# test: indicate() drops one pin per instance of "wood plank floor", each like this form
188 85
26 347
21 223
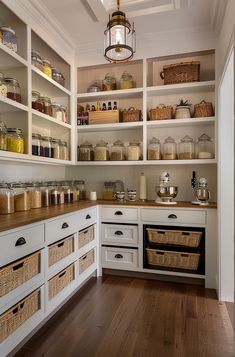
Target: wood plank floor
122 317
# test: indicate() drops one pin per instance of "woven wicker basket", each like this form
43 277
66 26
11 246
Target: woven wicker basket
18 314
60 281
171 259
17 273
181 72
86 236
184 238
203 109
161 112
131 114
86 260
60 250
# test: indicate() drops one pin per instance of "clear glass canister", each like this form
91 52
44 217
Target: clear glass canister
47 69
3 87
36 103
64 114
86 152
57 112
6 199
55 195
46 105
35 194
57 76
117 151
3 136
46 194
108 190
55 144
80 188
186 148
109 82
64 152
133 151
36 59
154 149
46 146
21 197
126 81
101 152
169 149
68 192
204 147
36 144
8 38
15 140
13 89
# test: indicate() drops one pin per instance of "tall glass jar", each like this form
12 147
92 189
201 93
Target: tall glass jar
57 112
46 146
54 193
108 190
3 136
64 152
60 192
154 149
133 151
117 151
126 81
68 192
36 103
46 105
8 38
109 82
3 87
13 89
6 199
47 69
15 140
204 147
36 144
35 194
22 197
186 148
86 152
46 194
101 152
169 149
80 188
36 60
55 147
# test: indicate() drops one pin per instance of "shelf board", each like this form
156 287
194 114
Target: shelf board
31 159
10 59
9 105
181 122
56 88
110 163
108 127
148 162
47 160
116 94
193 87
50 119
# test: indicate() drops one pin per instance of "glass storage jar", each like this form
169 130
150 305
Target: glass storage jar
154 149
6 199
36 103
57 76
3 87
46 146
55 196
186 148
36 144
21 197
60 192
8 38
109 83
108 190
86 152
13 89
55 149
57 112
36 60
68 192
46 105
35 194
169 149
126 81
46 194
3 136
64 152
64 114
204 147
47 69
101 152
15 140
117 151
80 188
133 151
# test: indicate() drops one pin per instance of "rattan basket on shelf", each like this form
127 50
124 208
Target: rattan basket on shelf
181 72
131 115
161 112
184 238
203 109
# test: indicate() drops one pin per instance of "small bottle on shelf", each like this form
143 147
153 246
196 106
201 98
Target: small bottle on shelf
114 105
109 106
104 106
93 108
98 106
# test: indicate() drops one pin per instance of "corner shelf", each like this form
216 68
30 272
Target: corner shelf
10 59
50 119
8 105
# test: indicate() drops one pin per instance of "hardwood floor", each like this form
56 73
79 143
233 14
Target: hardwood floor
122 317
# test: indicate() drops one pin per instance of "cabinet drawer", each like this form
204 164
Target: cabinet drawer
119 258
86 236
86 260
87 217
60 228
119 234
60 250
60 281
173 216
18 244
119 213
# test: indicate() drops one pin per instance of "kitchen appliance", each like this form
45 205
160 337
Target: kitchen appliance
165 191
131 195
201 191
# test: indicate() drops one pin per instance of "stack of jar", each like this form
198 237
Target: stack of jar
45 105
46 67
17 197
47 146
10 88
11 139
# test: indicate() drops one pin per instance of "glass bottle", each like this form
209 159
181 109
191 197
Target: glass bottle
204 147
46 194
13 89
6 199
108 191
54 193
186 148
21 197
154 149
101 152
36 60
68 192
46 146
133 151
117 151
57 112
15 140
109 83
169 149
35 194
86 152
3 136
47 69
36 144
3 87
55 149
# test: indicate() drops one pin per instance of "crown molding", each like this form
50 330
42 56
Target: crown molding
217 14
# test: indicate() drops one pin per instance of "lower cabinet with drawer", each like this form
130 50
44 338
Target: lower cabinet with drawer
119 258
119 234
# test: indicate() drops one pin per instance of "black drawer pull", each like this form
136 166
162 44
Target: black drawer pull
118 256
15 310
60 244
62 274
20 241
118 213
18 266
160 253
88 216
85 232
118 233
83 258
65 225
22 305
172 216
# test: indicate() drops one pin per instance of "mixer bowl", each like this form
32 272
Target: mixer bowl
166 193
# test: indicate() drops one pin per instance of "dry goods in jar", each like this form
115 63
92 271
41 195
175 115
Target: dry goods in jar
22 201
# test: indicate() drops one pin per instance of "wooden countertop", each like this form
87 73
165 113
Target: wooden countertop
19 219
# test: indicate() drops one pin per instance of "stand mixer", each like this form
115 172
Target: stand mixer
166 192
201 191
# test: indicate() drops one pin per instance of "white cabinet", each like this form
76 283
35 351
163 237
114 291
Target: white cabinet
119 213
119 258
173 216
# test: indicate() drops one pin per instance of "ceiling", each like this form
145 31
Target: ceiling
83 22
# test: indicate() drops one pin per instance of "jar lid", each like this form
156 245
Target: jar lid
8 29
4 185
14 130
118 143
45 99
187 139
55 70
101 143
63 108
46 62
14 81
134 143
108 183
204 137
154 141
56 141
169 139
36 53
18 185
46 138
32 184
56 105
35 93
36 136
79 182
86 144
109 77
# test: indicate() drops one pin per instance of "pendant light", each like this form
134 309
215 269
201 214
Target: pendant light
119 38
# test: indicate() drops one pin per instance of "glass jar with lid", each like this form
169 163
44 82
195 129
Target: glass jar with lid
46 194
57 112
64 114
86 152
8 38
3 87
60 192
126 81
64 152
35 194
47 69
36 60
133 151
55 149
15 140
3 136
46 146
36 144
68 192
13 89
57 76
101 152
204 147
21 197
117 151
36 103
169 149
7 204
80 188
108 190
186 148
154 149
46 105
109 83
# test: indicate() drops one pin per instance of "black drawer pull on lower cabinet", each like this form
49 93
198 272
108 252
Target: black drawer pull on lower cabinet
65 225
118 233
118 256
20 241
172 216
118 213
88 216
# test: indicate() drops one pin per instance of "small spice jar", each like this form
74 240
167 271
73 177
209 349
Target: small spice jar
64 152
15 140
108 191
109 83
86 152
55 144
8 38
186 148
101 152
35 194
13 89
46 105
154 149
21 197
126 81
204 147
46 194
3 87
117 151
6 199
36 144
80 188
57 112
47 69
3 136
169 149
46 146
36 60
133 151
36 103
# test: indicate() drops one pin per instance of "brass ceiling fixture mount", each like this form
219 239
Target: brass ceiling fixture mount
119 38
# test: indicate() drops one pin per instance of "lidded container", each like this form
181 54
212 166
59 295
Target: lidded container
35 194
15 140
117 151
54 193
108 190
204 147
13 89
101 152
133 151
68 192
57 112
57 76
36 103
80 188
186 148
109 82
36 144
8 38
55 149
3 136
64 114
126 81
64 152
47 69
46 146
46 194
46 105
22 197
154 149
3 87
169 149
86 152
6 199
36 59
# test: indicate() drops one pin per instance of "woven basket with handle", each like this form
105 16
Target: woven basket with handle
161 112
181 72
131 114
203 109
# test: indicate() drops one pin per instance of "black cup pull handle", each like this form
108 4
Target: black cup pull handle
20 241
118 256
118 233
15 310
88 216
118 213
62 274
85 232
22 305
18 266
60 244
172 216
83 258
65 225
